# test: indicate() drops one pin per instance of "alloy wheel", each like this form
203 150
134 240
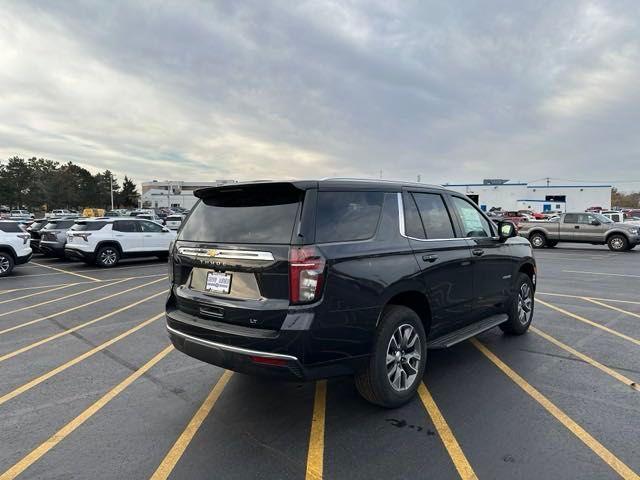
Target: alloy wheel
403 357
4 264
108 257
525 303
537 241
617 243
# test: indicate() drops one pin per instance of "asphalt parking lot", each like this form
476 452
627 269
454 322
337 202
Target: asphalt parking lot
92 389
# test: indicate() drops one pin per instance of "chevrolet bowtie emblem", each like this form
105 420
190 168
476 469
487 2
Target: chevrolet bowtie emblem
212 252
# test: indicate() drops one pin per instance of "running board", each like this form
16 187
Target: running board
469 331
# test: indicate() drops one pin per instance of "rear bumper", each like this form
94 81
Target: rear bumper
51 248
23 259
274 354
76 254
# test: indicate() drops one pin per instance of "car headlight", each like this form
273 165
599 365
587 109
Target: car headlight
633 231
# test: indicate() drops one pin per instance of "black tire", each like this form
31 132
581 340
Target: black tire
374 384
517 323
107 256
6 264
552 243
538 240
618 243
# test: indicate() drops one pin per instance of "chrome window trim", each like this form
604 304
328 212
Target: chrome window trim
231 348
195 252
404 233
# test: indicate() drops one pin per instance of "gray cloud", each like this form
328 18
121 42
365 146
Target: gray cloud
204 90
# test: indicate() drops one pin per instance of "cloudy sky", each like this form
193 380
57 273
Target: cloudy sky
451 91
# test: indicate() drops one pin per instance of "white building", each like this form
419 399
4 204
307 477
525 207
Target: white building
539 198
173 193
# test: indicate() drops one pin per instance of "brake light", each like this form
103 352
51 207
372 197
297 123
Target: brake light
25 237
269 361
83 236
306 274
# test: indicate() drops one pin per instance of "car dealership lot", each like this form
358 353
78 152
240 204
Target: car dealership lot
91 389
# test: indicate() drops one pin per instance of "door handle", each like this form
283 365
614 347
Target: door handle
577 227
147 235
429 258
477 252
119 235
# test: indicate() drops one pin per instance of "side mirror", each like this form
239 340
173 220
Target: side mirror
165 230
506 230
595 223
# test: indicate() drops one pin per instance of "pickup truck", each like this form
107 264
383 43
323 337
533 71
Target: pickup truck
581 227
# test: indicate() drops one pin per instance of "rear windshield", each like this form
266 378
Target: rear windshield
174 218
251 215
10 227
88 226
61 224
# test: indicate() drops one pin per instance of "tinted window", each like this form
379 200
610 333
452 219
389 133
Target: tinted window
10 227
125 226
473 223
88 226
412 223
262 214
149 226
434 214
571 218
59 225
174 218
347 216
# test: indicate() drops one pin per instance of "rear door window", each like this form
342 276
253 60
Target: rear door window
150 227
129 226
347 216
10 227
571 218
88 226
261 214
435 216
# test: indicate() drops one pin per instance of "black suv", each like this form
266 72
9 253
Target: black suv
313 279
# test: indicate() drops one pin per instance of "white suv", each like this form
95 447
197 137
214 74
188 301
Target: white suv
105 240
14 246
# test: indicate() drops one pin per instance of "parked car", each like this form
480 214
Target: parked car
174 221
21 215
34 231
313 279
106 240
57 213
581 227
53 237
532 214
14 246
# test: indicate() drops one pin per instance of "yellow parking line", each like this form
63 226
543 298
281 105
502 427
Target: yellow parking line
102 280
64 271
31 322
70 427
315 454
31 346
451 444
609 458
592 300
61 368
585 358
589 322
177 450
38 293
602 273
581 297
61 298
18 277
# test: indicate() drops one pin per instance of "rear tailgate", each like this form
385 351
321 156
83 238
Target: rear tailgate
230 261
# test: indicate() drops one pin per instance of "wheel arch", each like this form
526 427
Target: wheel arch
529 269
416 301
9 249
109 243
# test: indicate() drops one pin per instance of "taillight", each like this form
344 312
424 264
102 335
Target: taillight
306 274
25 237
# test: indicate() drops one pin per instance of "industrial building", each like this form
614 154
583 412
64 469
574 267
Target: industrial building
173 193
499 193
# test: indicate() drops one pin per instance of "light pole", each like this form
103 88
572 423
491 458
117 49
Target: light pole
111 187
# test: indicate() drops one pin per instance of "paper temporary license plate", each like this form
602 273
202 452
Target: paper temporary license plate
218 282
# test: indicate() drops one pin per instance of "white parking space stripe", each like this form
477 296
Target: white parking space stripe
581 297
582 272
64 271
